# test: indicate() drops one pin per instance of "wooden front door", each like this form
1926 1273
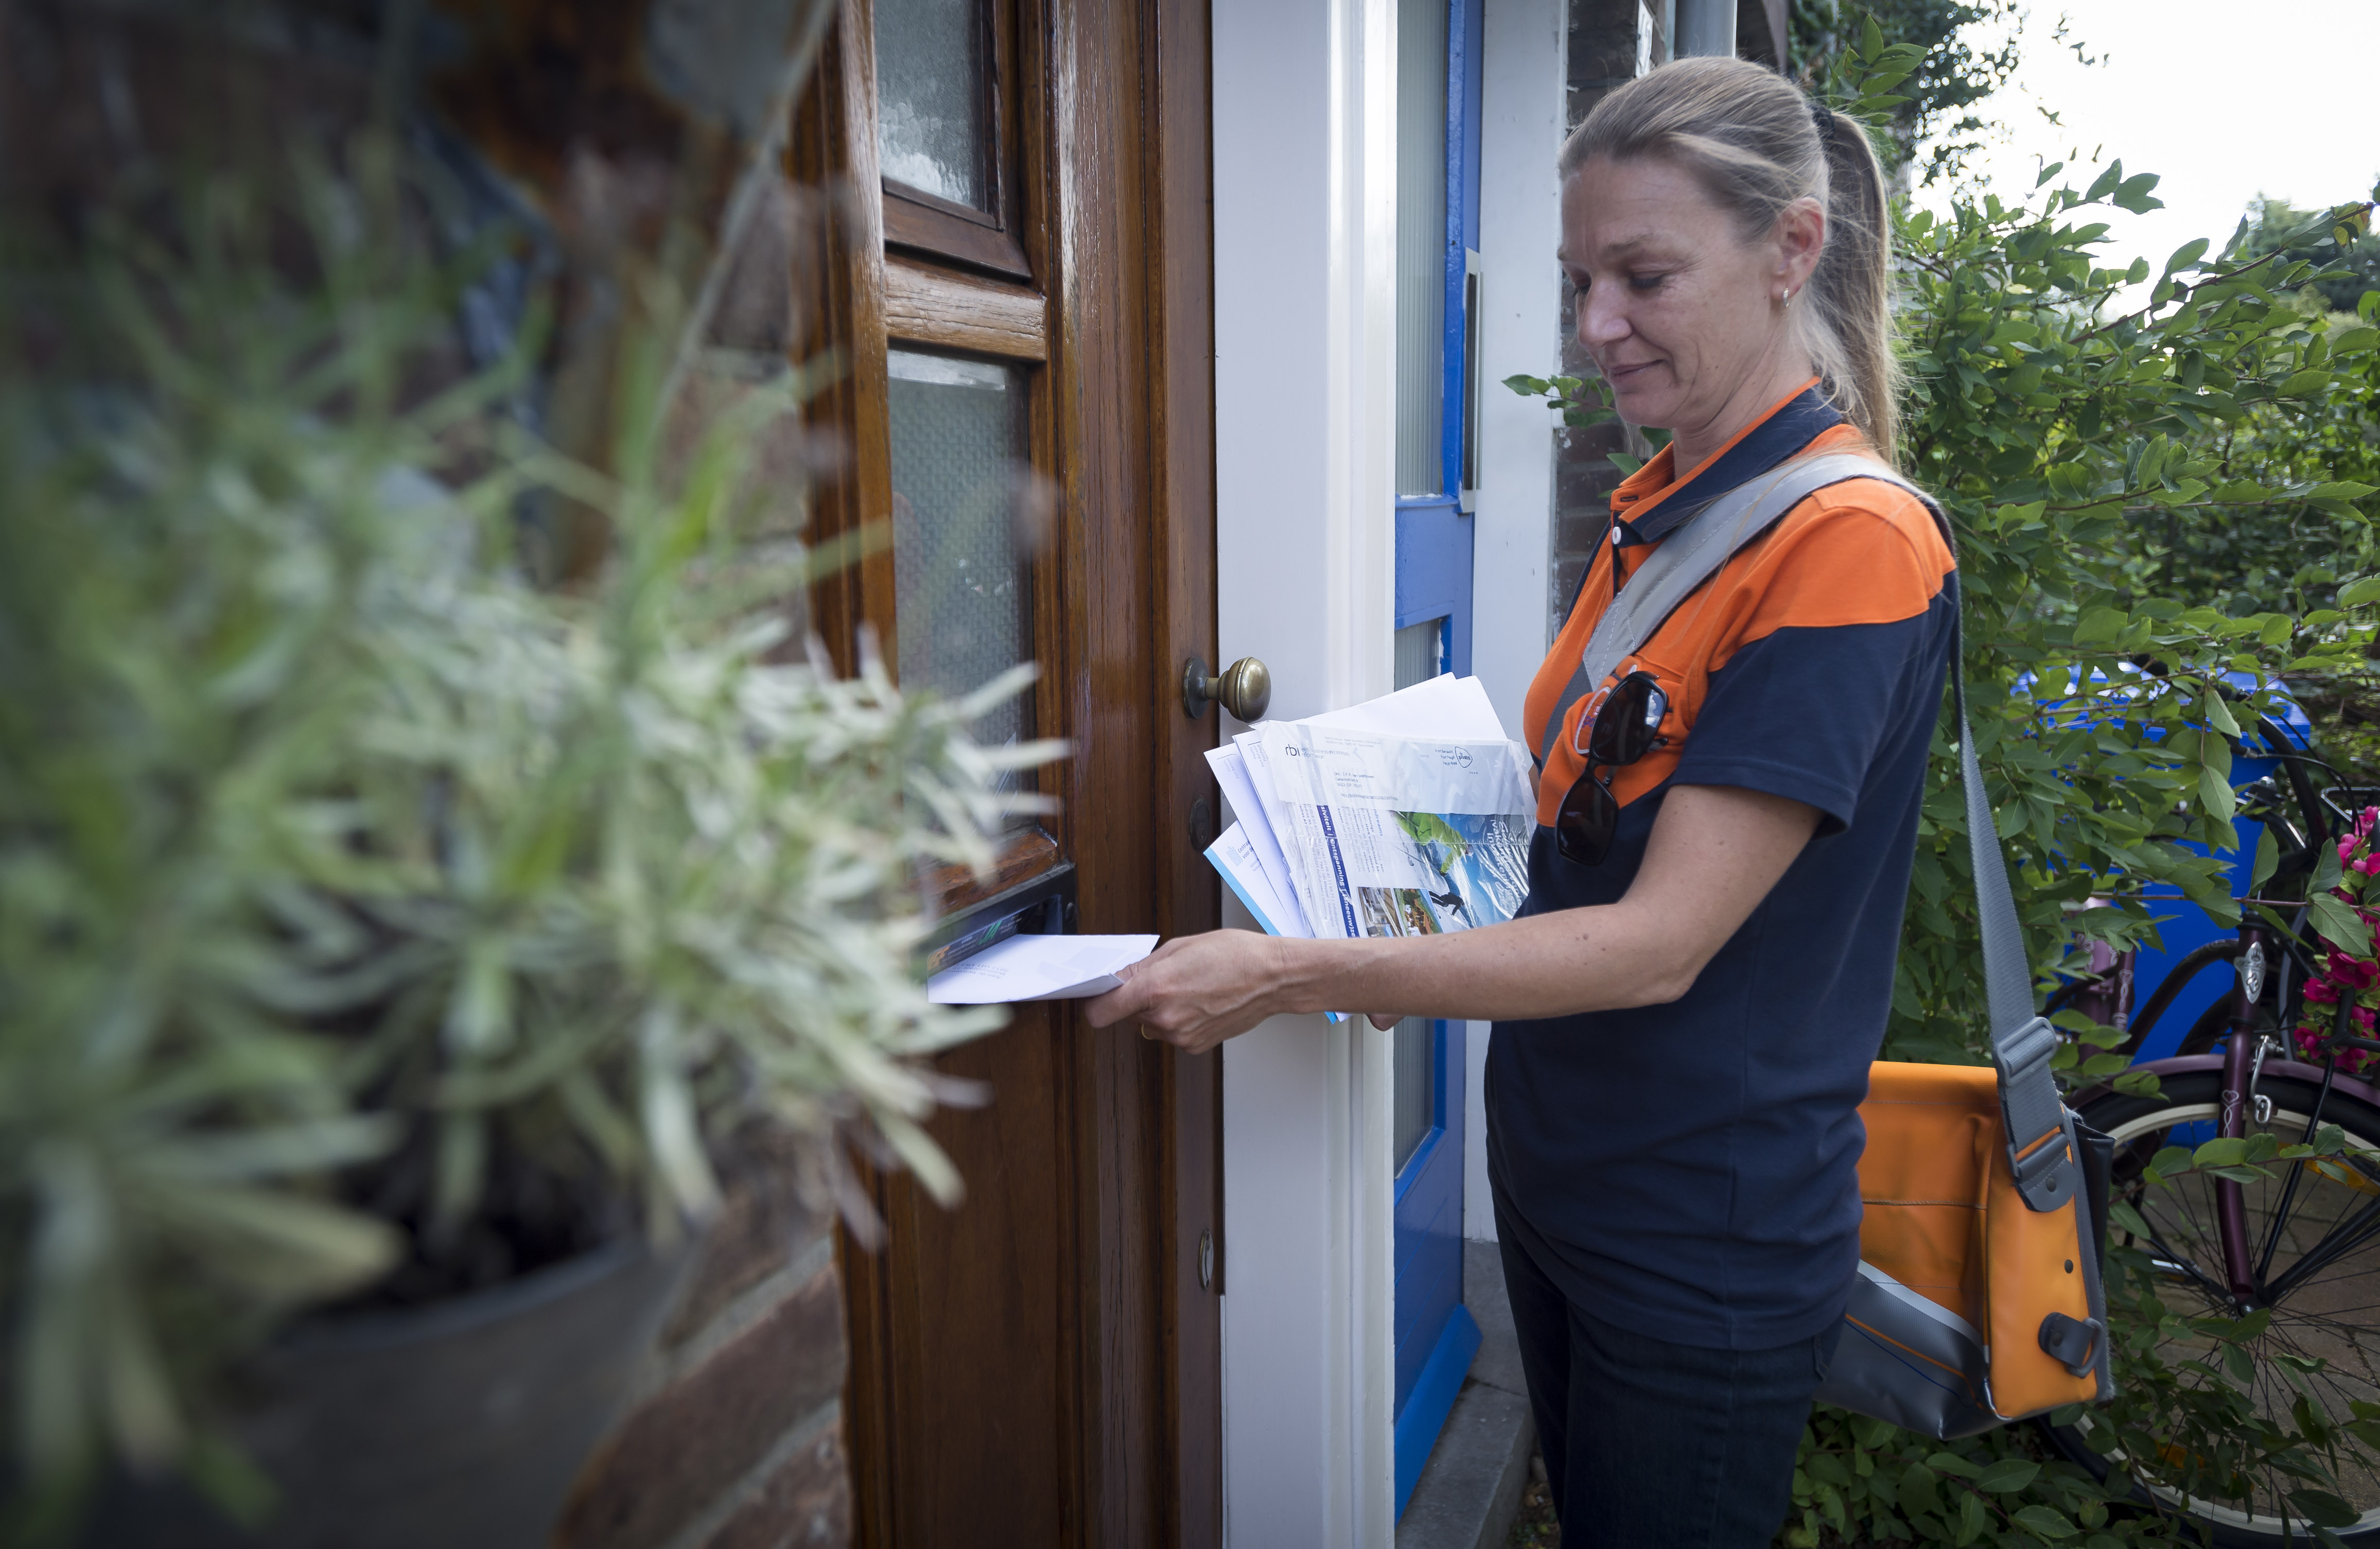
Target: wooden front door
1020 303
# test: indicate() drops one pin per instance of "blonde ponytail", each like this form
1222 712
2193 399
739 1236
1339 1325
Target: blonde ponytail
1758 144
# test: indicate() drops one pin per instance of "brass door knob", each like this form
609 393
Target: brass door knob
1245 688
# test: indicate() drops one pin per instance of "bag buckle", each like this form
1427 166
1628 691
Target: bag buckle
2040 1149
2073 1343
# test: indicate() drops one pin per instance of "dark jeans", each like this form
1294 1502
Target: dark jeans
1655 1446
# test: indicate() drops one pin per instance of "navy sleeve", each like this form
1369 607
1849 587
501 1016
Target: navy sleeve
1803 712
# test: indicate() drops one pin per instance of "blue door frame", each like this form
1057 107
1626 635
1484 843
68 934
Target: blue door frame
1436 1337
1434 531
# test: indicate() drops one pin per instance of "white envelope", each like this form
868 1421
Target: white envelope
1038 968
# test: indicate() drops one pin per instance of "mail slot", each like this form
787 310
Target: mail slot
1044 905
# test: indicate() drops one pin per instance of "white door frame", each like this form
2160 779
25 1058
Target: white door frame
1305 224
1305 170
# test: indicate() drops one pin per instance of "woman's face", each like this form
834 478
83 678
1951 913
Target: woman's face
1678 311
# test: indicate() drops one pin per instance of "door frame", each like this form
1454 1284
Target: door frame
1118 313
1305 256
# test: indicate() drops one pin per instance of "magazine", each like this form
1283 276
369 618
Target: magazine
1408 815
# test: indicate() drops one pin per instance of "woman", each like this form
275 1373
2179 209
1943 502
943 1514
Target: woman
1686 1010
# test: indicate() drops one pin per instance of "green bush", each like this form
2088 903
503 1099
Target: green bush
373 920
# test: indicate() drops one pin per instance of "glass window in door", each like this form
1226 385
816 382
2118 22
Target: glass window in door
944 123
962 579
933 122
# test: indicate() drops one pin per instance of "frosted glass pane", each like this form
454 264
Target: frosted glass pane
932 124
1421 244
961 586
1415 1070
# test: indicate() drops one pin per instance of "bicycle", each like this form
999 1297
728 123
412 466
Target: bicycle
2300 1245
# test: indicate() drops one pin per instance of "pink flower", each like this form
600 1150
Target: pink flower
2322 992
2350 972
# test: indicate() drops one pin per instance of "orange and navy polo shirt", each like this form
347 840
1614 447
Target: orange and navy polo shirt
1691 1170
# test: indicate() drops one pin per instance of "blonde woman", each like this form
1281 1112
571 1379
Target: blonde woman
1725 829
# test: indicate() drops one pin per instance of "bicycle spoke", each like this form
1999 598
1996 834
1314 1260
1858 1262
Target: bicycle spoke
2289 1189
2340 1241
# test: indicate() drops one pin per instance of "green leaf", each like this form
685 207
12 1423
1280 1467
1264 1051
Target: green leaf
1952 1463
2221 1151
2008 1476
2133 194
2187 254
2043 1520
2338 489
2215 791
2268 859
283 1247
2101 624
2338 924
1627 464
2323 1509
2306 384
2219 714
2327 869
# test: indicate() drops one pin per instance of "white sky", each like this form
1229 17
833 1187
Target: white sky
2223 100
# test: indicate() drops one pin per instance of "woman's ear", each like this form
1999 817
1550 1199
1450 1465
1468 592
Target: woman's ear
1801 238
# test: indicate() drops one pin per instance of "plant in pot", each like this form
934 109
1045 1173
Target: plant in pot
391 944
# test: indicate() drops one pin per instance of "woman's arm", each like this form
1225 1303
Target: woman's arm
1714 854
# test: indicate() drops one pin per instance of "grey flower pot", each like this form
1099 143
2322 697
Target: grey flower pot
459 1425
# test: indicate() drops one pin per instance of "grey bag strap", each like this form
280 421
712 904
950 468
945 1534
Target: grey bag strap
2041 1148
1688 557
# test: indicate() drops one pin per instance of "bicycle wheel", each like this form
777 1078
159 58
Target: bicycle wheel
2324 1275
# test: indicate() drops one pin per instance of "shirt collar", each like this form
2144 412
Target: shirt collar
1648 506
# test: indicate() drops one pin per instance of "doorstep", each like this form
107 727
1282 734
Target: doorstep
1470 1489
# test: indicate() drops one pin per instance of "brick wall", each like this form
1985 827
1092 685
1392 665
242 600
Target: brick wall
735 1440
1608 40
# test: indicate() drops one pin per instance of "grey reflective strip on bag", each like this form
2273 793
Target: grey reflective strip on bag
1907 1359
2040 1147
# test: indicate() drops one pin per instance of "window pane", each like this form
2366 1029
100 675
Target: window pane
932 123
1421 245
1421 651
1414 1045
961 582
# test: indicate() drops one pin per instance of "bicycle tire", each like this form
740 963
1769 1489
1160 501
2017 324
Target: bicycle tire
2141 1125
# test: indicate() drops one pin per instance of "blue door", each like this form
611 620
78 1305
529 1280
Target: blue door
1438 307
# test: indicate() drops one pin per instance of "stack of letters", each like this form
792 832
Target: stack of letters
1407 815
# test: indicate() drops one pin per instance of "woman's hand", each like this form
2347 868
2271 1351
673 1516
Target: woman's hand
1194 992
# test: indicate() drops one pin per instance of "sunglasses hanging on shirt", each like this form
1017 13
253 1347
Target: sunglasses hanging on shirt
1624 728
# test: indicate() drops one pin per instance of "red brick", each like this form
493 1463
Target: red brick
692 1441
764 1226
805 1505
